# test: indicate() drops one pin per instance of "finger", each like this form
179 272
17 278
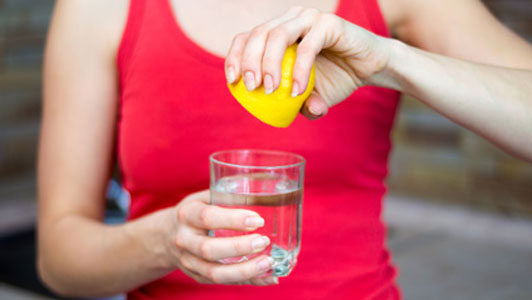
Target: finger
258 281
232 61
314 107
201 215
230 273
307 50
280 38
202 196
254 50
196 276
213 249
264 281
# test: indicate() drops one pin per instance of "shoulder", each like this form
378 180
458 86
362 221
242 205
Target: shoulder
94 25
394 13
398 13
408 18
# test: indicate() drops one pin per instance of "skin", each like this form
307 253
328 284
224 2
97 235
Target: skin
80 86
348 57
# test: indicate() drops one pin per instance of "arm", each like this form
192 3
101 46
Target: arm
465 29
492 101
77 254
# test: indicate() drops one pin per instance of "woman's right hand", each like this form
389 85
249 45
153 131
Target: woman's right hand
347 56
197 254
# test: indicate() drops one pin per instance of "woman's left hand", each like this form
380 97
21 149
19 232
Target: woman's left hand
346 56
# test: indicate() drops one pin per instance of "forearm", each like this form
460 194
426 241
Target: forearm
494 102
81 257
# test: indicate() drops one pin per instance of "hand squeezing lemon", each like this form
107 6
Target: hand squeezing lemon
278 109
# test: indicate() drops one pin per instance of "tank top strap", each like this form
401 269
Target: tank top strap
365 13
131 29
145 17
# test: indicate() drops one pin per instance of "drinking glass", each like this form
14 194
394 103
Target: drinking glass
269 183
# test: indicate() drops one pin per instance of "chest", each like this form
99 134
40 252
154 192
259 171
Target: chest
213 23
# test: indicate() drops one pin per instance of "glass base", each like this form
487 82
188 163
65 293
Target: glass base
282 261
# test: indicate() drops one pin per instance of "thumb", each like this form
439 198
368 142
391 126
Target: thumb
315 107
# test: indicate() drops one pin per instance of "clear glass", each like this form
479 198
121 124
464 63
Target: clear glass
269 183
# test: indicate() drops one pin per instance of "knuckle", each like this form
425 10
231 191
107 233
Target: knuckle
181 214
298 70
185 262
278 33
247 273
269 62
213 275
239 37
305 50
232 57
205 216
259 30
239 248
179 240
232 60
205 250
249 61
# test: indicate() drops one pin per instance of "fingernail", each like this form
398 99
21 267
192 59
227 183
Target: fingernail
230 74
315 110
254 222
271 280
268 84
249 81
260 243
265 264
295 89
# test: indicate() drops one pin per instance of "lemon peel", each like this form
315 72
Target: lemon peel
278 109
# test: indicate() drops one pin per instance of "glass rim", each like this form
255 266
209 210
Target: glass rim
275 152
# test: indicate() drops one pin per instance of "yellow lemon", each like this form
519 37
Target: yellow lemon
278 109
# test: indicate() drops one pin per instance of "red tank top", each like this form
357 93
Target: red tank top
175 110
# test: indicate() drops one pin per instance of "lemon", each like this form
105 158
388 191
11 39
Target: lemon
278 109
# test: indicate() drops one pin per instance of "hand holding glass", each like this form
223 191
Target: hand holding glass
269 183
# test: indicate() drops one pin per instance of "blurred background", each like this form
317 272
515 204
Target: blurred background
459 210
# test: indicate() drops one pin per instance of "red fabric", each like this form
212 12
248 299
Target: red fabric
175 110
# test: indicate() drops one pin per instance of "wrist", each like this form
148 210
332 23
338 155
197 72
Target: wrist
154 234
392 75
165 228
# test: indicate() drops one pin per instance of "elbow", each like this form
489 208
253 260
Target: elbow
58 281
53 282
67 282
64 269
46 278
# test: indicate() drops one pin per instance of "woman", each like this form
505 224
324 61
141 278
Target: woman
144 79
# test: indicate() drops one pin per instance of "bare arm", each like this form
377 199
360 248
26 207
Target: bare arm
75 159
465 29
78 255
492 101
